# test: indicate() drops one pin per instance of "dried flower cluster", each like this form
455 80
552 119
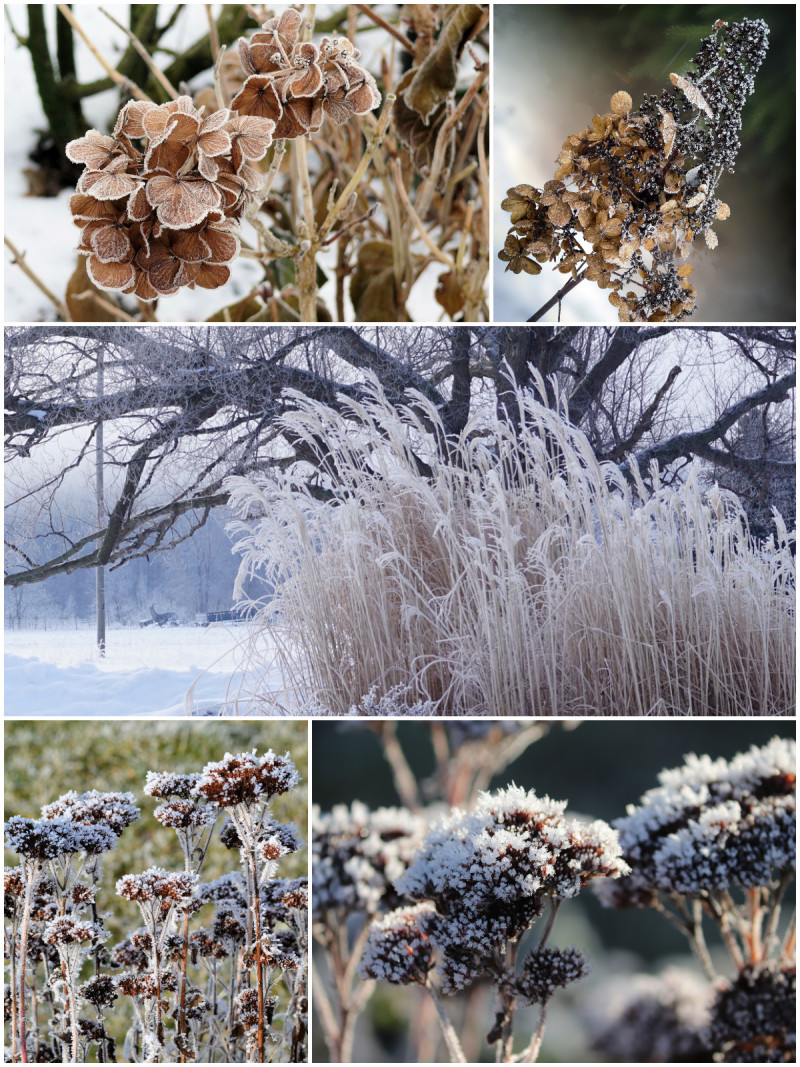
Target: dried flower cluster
295 84
753 1020
711 825
169 971
635 188
160 200
357 856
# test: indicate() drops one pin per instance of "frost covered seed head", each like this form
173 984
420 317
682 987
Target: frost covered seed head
491 871
753 1020
399 949
711 824
358 854
549 969
46 839
114 810
157 884
183 815
246 779
165 784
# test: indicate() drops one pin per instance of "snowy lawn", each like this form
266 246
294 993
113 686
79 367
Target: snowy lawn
173 670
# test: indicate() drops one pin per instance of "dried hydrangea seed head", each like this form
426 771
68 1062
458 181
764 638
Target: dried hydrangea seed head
246 778
399 948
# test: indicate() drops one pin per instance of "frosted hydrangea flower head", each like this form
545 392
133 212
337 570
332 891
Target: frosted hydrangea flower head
358 854
246 779
399 949
491 871
710 825
93 808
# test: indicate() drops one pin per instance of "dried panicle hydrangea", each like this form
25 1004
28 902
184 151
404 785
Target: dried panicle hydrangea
709 826
634 189
358 854
490 872
246 779
160 200
753 1019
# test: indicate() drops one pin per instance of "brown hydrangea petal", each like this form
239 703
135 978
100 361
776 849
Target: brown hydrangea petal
95 150
85 208
155 121
141 288
212 275
181 202
260 55
190 246
208 167
109 240
108 184
307 76
138 206
110 276
166 157
182 128
250 138
258 96
223 243
300 117
365 95
129 121
283 30
165 271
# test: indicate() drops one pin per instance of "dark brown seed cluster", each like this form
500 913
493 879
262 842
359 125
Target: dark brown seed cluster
246 779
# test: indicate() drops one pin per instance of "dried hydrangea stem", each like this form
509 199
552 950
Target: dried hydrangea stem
111 71
565 290
306 262
19 261
449 1034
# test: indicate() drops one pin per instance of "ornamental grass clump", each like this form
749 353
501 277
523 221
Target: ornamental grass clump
714 843
229 991
509 572
481 880
635 188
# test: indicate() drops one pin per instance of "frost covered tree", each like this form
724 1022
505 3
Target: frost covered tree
186 408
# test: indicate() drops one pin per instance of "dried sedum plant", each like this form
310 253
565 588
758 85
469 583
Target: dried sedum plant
481 880
716 841
232 991
636 187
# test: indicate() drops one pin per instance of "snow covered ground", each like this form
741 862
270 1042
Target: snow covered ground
169 671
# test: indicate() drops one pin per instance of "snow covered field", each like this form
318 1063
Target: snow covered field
174 670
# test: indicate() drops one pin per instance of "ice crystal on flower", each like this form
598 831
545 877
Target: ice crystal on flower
358 854
710 825
163 784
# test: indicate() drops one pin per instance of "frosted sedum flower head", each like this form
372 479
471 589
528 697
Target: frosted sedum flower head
358 854
164 784
399 948
491 871
114 810
549 969
246 779
156 884
753 1020
710 825
47 839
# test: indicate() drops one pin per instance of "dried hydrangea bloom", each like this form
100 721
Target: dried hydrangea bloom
246 779
491 871
165 215
710 825
295 84
114 810
645 1018
399 949
358 854
638 186
753 1019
